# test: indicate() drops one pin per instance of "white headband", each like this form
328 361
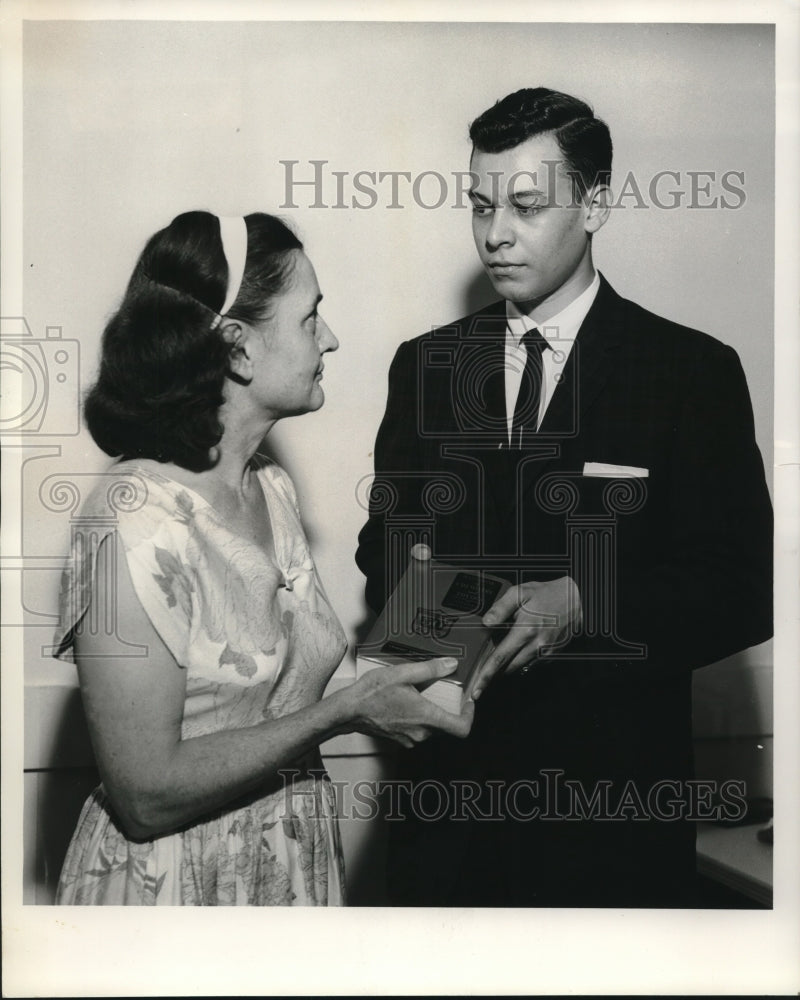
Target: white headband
233 233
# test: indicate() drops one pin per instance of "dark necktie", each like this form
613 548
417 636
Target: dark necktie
526 411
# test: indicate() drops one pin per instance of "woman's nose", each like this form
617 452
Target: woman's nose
325 336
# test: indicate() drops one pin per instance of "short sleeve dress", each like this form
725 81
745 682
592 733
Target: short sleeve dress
258 639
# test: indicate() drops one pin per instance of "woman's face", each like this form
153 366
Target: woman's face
295 338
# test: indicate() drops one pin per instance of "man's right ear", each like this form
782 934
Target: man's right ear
240 365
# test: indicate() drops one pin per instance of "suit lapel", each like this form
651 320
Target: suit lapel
585 374
479 379
590 363
480 394
480 402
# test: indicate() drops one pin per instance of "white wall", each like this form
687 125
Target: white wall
127 124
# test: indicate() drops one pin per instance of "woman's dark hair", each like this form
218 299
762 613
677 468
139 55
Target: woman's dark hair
164 359
584 140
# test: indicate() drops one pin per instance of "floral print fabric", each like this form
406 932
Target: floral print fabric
258 639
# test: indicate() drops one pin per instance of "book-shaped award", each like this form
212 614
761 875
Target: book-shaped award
435 610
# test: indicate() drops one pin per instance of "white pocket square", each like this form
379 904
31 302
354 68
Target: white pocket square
613 471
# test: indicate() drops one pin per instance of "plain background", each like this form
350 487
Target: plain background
126 124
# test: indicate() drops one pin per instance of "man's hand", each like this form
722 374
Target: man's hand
538 616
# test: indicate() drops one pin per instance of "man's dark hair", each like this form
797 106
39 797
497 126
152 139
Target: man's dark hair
583 139
164 359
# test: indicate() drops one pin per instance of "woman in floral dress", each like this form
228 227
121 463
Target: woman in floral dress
207 732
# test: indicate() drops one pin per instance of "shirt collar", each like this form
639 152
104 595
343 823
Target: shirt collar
563 326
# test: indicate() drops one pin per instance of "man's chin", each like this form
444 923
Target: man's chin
524 298
511 289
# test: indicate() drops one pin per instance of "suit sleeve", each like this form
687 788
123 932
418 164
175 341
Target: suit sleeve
397 452
712 596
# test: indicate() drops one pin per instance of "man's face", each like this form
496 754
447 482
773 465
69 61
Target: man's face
531 231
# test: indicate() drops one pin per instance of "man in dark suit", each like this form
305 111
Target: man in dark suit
603 460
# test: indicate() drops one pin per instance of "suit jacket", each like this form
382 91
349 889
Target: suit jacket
673 559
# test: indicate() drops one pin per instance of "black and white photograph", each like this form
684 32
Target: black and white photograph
400 493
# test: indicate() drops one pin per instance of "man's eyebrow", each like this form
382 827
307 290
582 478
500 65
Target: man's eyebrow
528 193
316 302
515 196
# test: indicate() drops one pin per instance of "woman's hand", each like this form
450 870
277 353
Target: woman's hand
386 703
156 780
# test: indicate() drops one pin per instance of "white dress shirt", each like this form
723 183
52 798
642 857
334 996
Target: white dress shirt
559 331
